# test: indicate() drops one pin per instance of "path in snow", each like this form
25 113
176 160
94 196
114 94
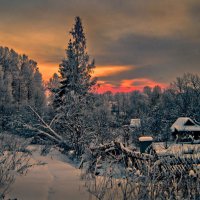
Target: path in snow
56 180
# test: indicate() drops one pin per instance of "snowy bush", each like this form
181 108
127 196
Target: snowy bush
14 159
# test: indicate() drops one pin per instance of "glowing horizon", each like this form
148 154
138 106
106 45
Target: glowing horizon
101 71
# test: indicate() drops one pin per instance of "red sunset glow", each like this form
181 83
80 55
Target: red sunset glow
128 85
102 71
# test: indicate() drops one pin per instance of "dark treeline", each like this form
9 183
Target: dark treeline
157 108
20 85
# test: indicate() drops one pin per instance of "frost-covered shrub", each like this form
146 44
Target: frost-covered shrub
14 159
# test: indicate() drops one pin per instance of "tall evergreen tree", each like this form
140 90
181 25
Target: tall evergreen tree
75 70
73 98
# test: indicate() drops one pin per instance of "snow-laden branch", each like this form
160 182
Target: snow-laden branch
57 137
42 132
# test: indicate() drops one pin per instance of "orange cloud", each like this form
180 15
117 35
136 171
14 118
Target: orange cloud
101 71
49 69
128 85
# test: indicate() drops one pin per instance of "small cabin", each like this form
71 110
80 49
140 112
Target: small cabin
135 123
145 142
185 129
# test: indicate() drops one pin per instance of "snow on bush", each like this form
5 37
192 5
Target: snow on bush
14 159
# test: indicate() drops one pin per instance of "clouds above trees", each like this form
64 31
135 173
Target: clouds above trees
161 36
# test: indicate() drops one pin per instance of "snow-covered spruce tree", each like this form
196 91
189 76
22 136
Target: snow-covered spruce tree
73 100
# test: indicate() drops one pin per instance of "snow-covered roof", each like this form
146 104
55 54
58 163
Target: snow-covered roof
145 138
135 123
185 124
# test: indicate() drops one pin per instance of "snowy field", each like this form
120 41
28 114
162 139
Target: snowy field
56 180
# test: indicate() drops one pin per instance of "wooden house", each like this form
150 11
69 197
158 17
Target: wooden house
184 128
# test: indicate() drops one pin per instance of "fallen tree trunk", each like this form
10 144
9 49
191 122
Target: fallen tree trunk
114 152
51 134
117 153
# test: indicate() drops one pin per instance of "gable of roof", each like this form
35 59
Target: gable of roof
185 124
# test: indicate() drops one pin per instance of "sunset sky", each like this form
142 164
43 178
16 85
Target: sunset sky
134 42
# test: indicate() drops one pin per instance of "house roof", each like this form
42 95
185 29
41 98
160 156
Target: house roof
185 124
135 123
145 138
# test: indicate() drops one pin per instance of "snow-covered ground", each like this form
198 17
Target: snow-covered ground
56 180
176 149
